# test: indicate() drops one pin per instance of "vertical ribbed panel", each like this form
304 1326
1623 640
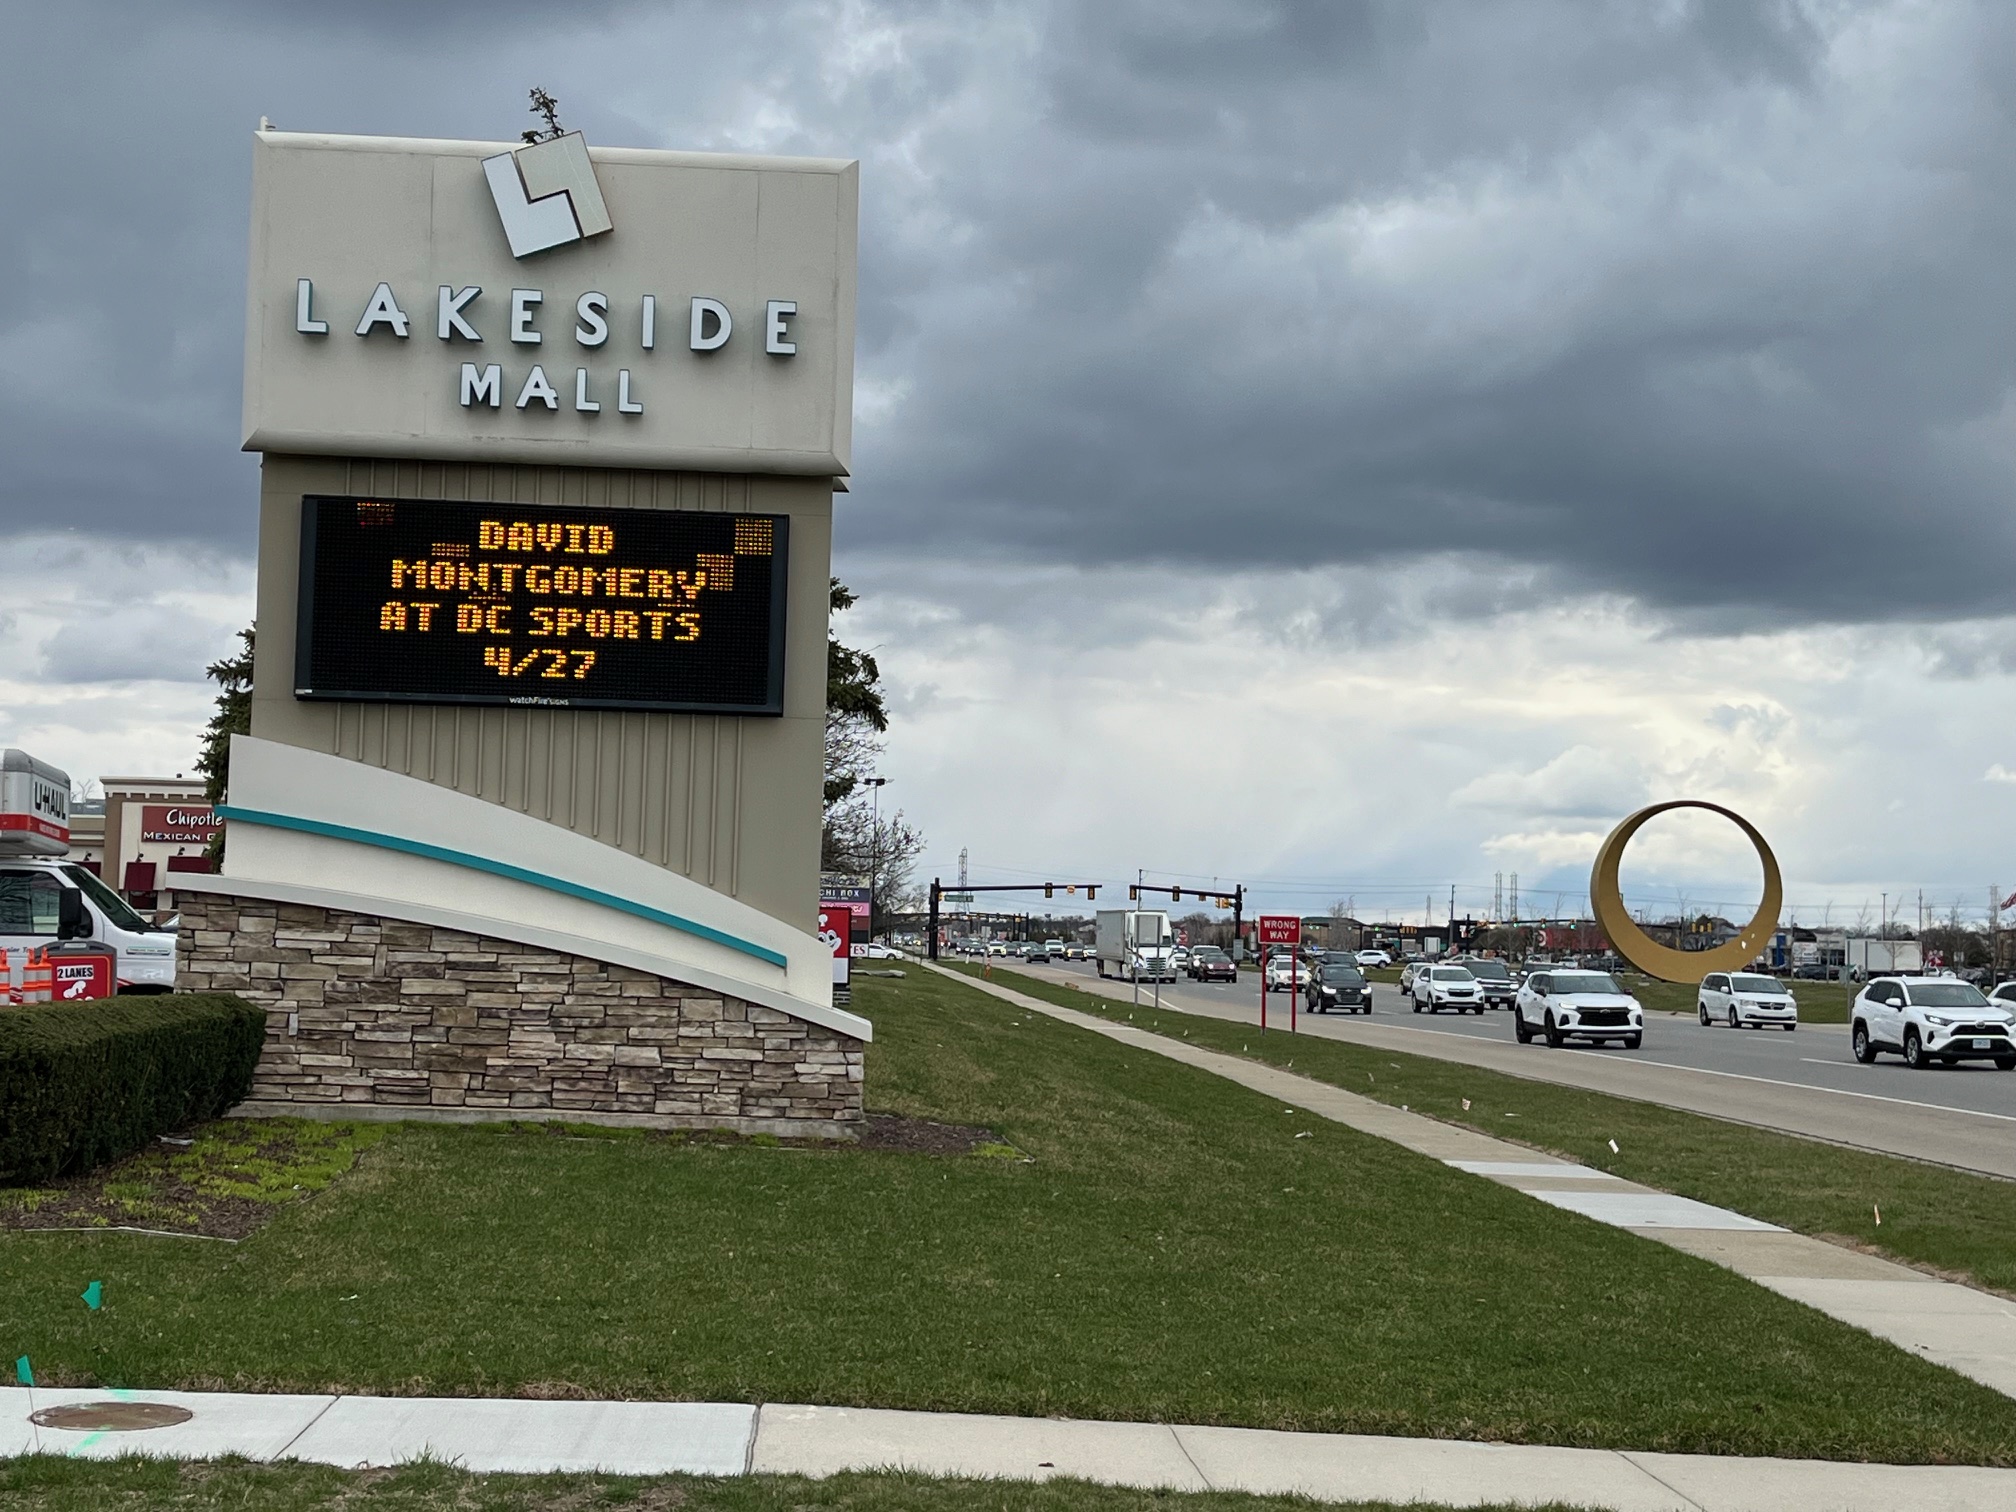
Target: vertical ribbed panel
670 788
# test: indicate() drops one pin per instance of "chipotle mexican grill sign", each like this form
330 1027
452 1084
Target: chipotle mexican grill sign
178 824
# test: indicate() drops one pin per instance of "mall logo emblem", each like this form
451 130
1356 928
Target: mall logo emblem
547 195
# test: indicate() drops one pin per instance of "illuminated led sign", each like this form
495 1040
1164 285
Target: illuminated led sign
429 601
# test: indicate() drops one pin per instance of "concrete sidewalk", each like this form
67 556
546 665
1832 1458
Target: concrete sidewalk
726 1439
1969 1331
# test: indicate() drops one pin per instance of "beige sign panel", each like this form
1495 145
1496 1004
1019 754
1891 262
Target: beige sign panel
1647 954
667 309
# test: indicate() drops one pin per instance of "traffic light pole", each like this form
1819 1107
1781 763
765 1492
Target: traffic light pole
1234 900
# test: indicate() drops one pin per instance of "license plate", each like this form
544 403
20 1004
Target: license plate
1979 1044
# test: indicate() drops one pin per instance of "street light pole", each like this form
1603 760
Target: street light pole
874 786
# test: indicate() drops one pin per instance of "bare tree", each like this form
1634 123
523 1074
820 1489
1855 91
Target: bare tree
547 109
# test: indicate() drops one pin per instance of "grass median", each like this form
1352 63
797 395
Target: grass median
46 1484
1155 1244
1951 1222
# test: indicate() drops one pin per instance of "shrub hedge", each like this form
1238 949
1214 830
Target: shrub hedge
84 1083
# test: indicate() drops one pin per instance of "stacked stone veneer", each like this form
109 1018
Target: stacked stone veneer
369 1016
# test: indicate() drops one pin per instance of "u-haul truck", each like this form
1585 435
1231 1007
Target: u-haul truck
45 898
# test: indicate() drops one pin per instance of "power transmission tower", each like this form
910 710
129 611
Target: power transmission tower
1515 898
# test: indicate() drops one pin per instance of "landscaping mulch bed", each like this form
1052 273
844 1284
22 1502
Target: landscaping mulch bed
222 1181
882 1133
920 1136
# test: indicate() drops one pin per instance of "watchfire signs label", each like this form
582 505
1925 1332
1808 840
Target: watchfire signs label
1280 929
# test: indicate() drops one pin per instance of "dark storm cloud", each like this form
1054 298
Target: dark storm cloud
1706 304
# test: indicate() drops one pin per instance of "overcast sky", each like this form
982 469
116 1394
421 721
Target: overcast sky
1349 448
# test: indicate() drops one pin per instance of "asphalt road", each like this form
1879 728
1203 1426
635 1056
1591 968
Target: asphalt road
1802 1083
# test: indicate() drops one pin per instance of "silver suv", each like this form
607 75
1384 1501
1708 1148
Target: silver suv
1930 1021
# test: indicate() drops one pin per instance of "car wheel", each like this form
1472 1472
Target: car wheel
1734 1022
1417 1005
1860 1043
1633 1041
1914 1050
1702 1009
1553 1034
1519 1030
2005 1063
1790 1027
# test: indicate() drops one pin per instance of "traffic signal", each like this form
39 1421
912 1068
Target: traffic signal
1133 893
1091 893
1049 890
1175 895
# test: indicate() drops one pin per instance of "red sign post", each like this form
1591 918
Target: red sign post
1280 929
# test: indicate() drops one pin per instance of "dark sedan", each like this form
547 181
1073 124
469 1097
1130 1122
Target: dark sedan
1494 980
1335 982
1210 964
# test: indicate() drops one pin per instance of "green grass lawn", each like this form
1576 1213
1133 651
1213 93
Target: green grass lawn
1166 1248
1960 1224
61 1485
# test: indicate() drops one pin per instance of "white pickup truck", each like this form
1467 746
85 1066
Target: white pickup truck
45 898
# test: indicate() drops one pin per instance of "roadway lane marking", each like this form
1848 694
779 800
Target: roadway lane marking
1772 1081
1768 1081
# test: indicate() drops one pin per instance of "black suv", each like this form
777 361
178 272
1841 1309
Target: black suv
1336 982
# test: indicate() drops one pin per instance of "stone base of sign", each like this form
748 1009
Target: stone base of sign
371 1017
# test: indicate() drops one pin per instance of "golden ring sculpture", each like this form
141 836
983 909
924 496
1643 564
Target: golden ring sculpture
1647 954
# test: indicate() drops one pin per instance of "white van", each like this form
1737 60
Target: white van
46 899
43 901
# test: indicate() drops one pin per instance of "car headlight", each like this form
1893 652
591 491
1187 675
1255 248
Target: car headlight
1941 1020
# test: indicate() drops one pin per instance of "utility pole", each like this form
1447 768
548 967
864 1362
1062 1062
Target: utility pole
1994 922
1515 898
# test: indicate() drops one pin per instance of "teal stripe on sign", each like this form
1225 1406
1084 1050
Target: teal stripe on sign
501 869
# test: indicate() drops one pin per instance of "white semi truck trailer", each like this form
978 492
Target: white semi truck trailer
1135 944
1874 958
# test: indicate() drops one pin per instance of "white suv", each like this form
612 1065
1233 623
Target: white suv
1284 973
1930 1021
1439 987
1743 998
1566 1002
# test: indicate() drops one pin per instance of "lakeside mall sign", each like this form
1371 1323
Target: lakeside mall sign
556 304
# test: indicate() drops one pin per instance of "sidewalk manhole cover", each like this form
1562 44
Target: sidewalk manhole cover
111 1417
